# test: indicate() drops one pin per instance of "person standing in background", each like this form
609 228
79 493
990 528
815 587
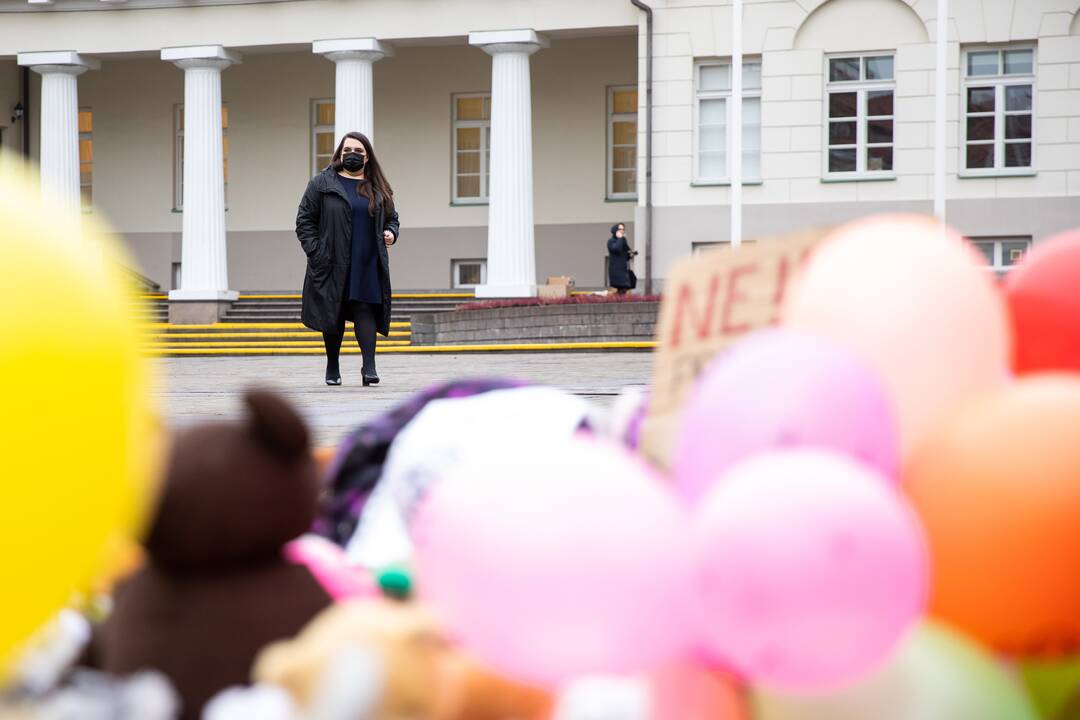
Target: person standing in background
620 276
345 223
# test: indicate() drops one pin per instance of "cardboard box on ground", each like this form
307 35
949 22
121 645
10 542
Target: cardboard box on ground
557 287
710 300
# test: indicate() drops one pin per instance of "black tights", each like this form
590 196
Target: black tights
363 317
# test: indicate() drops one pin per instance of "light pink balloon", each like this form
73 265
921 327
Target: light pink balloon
558 561
779 389
811 568
919 306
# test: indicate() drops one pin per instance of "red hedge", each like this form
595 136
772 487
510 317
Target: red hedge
572 300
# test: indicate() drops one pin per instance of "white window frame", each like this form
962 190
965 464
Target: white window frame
998 265
861 88
455 268
178 159
90 137
485 147
999 82
612 118
316 129
699 95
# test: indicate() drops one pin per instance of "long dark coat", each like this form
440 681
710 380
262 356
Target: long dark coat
618 262
324 229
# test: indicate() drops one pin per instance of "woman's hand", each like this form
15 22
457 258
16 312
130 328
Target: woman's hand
388 238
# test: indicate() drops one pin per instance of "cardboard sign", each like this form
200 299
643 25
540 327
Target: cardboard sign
710 300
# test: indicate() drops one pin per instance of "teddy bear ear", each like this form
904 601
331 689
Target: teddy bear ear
276 425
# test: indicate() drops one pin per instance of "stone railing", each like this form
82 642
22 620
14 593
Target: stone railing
591 322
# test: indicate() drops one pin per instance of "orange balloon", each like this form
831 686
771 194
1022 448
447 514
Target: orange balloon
998 489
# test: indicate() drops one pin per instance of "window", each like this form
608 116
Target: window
178 181
998 96
700 247
1001 254
468 273
86 157
472 147
323 142
622 143
859 127
713 116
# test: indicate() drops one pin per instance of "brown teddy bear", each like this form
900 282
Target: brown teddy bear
421 677
215 588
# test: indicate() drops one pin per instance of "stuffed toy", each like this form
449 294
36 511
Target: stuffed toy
419 676
216 586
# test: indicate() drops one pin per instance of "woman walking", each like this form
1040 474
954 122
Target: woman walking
620 276
345 223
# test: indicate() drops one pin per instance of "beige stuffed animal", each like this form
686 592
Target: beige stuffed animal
419 675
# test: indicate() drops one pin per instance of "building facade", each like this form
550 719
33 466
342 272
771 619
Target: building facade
513 131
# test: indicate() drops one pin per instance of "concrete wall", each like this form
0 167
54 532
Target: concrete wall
588 322
269 99
792 39
680 227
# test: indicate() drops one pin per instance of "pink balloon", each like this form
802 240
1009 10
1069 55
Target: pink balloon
558 561
783 389
811 568
689 691
917 304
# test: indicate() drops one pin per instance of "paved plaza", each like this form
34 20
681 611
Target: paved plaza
200 388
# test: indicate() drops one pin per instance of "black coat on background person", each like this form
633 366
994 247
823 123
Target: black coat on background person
618 261
324 229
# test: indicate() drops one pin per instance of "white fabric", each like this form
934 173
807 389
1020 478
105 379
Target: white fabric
605 698
442 436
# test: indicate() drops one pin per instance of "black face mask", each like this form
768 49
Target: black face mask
353 162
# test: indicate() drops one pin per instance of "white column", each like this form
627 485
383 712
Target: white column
735 128
59 121
354 90
940 88
204 264
511 257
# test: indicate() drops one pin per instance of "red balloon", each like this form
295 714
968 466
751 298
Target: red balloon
1044 300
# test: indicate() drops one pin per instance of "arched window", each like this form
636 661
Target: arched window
860 25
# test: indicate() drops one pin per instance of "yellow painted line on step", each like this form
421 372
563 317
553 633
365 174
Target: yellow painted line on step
252 325
530 347
189 350
395 296
432 296
427 349
264 344
271 297
253 335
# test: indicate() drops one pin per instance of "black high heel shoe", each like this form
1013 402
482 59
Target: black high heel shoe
371 379
334 379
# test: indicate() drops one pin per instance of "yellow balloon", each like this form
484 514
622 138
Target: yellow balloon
77 432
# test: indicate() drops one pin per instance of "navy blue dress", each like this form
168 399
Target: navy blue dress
362 284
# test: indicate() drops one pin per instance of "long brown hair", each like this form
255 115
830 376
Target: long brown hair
374 186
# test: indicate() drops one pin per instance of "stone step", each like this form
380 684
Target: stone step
397 336
274 328
289 317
